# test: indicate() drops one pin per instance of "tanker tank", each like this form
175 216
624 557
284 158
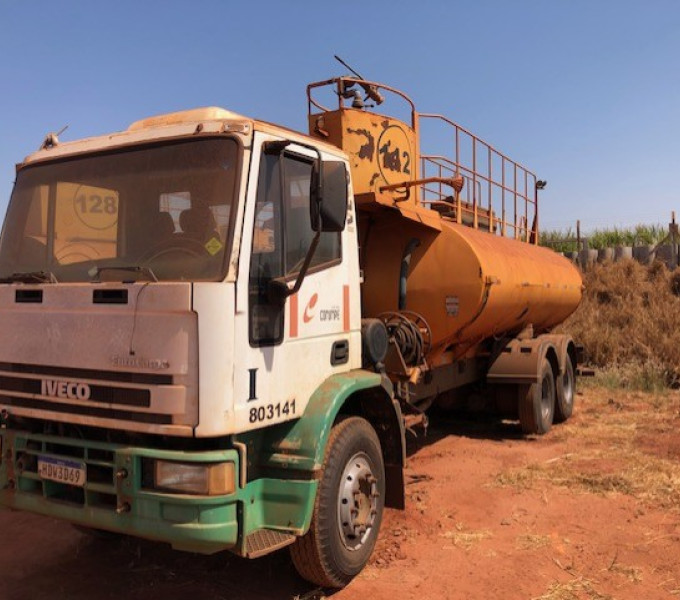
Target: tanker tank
467 284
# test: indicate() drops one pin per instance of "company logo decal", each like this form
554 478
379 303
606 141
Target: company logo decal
65 389
331 314
308 315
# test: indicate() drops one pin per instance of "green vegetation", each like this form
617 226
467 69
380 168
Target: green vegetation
652 377
565 240
559 240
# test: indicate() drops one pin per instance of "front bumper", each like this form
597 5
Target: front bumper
115 497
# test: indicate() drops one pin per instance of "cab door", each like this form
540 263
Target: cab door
286 348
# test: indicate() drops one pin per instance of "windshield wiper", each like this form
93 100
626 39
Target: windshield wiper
31 277
97 271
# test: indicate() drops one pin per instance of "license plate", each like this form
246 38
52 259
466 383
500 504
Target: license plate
63 471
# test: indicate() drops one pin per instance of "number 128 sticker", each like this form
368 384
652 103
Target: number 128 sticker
96 207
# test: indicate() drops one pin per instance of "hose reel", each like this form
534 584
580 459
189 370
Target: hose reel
411 334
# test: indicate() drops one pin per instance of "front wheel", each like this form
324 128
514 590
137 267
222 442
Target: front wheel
348 508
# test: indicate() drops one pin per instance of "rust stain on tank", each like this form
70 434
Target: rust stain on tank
368 149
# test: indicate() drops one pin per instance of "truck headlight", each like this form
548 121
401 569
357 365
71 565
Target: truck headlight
214 479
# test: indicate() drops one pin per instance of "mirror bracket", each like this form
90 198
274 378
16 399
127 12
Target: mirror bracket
278 289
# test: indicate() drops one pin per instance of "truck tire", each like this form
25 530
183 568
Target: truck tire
537 402
348 508
566 390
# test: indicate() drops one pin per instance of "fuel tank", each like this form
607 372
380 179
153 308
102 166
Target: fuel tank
468 284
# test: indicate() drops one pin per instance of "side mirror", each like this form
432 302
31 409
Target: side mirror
328 201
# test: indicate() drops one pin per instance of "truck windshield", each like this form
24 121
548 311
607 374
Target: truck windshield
157 212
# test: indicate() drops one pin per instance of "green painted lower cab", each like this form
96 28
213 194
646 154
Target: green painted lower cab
280 479
299 445
117 497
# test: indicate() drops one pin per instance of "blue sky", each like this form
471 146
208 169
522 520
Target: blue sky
584 92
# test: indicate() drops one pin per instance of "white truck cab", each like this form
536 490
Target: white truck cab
181 326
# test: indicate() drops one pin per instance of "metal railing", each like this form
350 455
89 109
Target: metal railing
500 195
478 186
345 90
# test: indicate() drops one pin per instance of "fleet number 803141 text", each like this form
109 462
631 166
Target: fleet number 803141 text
271 411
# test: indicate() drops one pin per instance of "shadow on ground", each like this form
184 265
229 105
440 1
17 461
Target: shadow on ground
478 426
45 558
132 569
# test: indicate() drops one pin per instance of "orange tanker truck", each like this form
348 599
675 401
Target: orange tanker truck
215 329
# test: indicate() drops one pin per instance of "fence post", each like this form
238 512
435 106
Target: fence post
673 234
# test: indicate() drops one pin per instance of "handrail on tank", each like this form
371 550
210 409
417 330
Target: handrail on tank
437 160
472 183
519 222
514 218
343 83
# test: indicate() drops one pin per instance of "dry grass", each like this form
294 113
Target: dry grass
611 454
575 589
652 480
633 574
532 542
465 539
629 323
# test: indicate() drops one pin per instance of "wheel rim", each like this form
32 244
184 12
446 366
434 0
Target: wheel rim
357 502
547 399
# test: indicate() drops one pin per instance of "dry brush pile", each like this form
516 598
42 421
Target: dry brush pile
629 323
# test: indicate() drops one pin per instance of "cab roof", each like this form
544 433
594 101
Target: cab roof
174 125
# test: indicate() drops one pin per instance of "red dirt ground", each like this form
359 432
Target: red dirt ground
589 511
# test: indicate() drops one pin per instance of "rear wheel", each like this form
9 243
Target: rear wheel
566 389
537 402
348 508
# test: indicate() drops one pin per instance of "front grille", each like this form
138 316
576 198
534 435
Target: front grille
90 411
99 490
98 393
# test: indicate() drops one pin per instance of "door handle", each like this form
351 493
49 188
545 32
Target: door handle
340 352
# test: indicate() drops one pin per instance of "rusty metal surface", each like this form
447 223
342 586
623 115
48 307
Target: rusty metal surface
477 186
382 150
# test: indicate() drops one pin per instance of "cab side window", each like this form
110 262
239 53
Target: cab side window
282 234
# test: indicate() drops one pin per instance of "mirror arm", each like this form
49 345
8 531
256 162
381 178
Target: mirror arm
305 265
279 290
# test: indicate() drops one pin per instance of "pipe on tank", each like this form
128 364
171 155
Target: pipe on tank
405 265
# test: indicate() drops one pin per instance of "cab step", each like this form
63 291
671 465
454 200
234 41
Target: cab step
264 541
